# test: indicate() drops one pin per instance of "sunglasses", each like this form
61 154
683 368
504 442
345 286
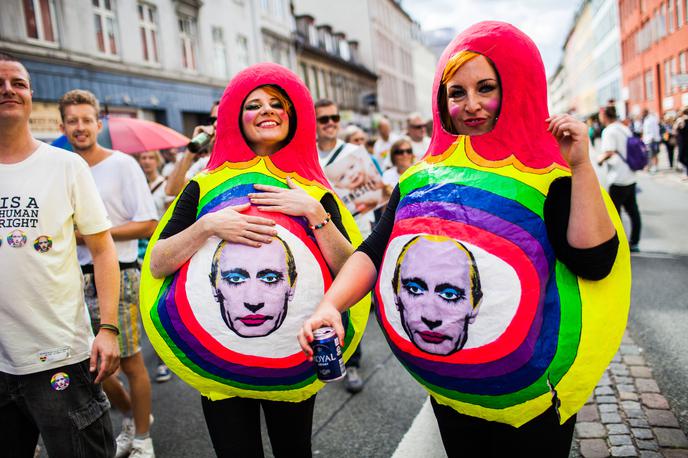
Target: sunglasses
418 126
325 119
399 152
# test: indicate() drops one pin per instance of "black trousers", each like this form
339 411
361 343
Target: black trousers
624 196
234 427
466 437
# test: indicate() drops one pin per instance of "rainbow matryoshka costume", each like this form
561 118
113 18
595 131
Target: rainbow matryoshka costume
181 313
539 330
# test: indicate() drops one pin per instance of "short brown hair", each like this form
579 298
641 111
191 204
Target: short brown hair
78 97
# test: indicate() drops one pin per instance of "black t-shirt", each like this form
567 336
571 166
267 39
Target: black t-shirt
184 214
590 263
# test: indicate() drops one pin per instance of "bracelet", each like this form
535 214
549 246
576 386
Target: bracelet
110 327
320 225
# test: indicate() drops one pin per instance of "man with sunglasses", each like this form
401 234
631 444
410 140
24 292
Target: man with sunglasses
415 129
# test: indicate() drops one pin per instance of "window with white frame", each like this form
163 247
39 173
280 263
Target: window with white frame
39 16
149 32
187 40
242 51
649 85
667 77
106 26
219 52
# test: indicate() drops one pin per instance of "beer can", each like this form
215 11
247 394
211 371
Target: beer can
327 355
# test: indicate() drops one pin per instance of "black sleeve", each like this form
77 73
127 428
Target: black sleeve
590 263
330 205
184 213
374 246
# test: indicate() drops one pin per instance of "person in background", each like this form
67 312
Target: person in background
151 163
403 157
620 177
122 186
191 163
355 135
415 130
668 138
383 143
681 132
651 137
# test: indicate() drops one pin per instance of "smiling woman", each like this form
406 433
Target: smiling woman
260 217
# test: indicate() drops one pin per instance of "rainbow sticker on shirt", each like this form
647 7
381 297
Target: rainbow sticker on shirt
473 301
227 321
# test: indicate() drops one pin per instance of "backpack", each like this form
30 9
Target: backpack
636 153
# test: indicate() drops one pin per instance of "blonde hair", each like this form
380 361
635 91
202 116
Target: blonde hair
78 97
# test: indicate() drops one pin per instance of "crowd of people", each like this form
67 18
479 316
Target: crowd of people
81 223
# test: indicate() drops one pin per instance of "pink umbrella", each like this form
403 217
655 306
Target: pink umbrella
131 135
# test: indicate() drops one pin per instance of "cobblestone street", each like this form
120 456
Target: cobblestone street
627 415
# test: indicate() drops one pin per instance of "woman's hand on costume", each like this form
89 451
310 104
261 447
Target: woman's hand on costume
572 136
231 225
293 201
326 314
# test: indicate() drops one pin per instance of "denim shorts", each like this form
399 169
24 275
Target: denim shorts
63 405
128 311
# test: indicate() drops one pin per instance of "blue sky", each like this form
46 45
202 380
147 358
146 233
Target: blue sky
547 22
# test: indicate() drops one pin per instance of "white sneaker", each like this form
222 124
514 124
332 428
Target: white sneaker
142 448
125 438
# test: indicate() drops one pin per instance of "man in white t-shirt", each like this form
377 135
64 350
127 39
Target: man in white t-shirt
384 143
49 370
620 177
651 137
128 201
415 130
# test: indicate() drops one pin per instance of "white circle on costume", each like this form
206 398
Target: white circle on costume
280 343
500 285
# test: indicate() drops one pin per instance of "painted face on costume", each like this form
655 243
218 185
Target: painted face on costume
264 121
81 126
474 97
253 287
433 295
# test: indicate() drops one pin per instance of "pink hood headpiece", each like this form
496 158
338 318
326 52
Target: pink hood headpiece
300 155
521 130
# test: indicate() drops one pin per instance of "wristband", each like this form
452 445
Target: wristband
109 327
320 225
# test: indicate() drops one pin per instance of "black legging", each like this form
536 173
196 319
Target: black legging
466 436
624 196
234 427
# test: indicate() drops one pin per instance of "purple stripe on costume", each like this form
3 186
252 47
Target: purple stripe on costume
205 354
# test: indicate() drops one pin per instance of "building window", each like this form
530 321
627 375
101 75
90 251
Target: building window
106 26
265 5
667 77
219 52
679 13
39 16
149 32
242 50
187 37
649 86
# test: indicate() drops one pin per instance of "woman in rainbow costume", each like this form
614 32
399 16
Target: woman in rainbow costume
241 259
500 267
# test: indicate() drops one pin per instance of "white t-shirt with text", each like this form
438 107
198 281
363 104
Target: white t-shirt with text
45 323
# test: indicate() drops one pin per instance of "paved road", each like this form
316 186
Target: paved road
659 308
391 416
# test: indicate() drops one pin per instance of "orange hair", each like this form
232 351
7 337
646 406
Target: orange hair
274 91
453 64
